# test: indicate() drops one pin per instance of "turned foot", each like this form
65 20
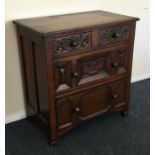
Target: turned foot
124 113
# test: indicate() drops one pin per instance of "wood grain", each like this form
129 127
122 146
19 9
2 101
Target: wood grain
76 66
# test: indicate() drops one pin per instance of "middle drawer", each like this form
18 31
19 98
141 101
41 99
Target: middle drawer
85 70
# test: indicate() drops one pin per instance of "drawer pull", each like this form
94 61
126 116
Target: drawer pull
85 44
115 35
73 44
114 96
60 48
115 64
75 74
76 109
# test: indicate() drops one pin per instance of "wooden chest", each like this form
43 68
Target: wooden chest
76 66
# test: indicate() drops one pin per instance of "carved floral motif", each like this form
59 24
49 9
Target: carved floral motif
111 35
72 43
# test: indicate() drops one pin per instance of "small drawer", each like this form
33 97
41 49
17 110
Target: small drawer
113 35
72 43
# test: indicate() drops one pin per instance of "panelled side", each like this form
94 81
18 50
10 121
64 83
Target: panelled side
130 58
41 77
34 73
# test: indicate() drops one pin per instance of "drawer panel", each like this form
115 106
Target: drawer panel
99 100
91 103
113 35
65 113
71 43
102 66
98 67
120 61
93 68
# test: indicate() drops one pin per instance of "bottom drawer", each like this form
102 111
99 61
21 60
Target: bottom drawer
91 103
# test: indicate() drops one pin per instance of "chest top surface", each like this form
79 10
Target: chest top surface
53 24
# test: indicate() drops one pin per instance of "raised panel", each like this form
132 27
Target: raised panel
64 113
29 64
94 102
41 76
67 111
94 67
82 106
63 80
120 61
118 93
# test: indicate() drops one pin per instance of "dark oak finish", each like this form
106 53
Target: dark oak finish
76 66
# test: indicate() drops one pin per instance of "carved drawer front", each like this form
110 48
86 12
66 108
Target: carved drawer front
93 68
72 43
120 61
113 34
62 71
91 103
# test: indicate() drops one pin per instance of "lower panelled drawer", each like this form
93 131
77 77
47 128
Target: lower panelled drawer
88 104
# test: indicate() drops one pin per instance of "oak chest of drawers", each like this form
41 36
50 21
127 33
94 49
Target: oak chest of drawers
76 66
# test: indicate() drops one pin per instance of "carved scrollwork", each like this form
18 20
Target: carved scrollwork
111 35
72 43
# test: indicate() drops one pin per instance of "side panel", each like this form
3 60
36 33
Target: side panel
33 62
41 77
30 77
